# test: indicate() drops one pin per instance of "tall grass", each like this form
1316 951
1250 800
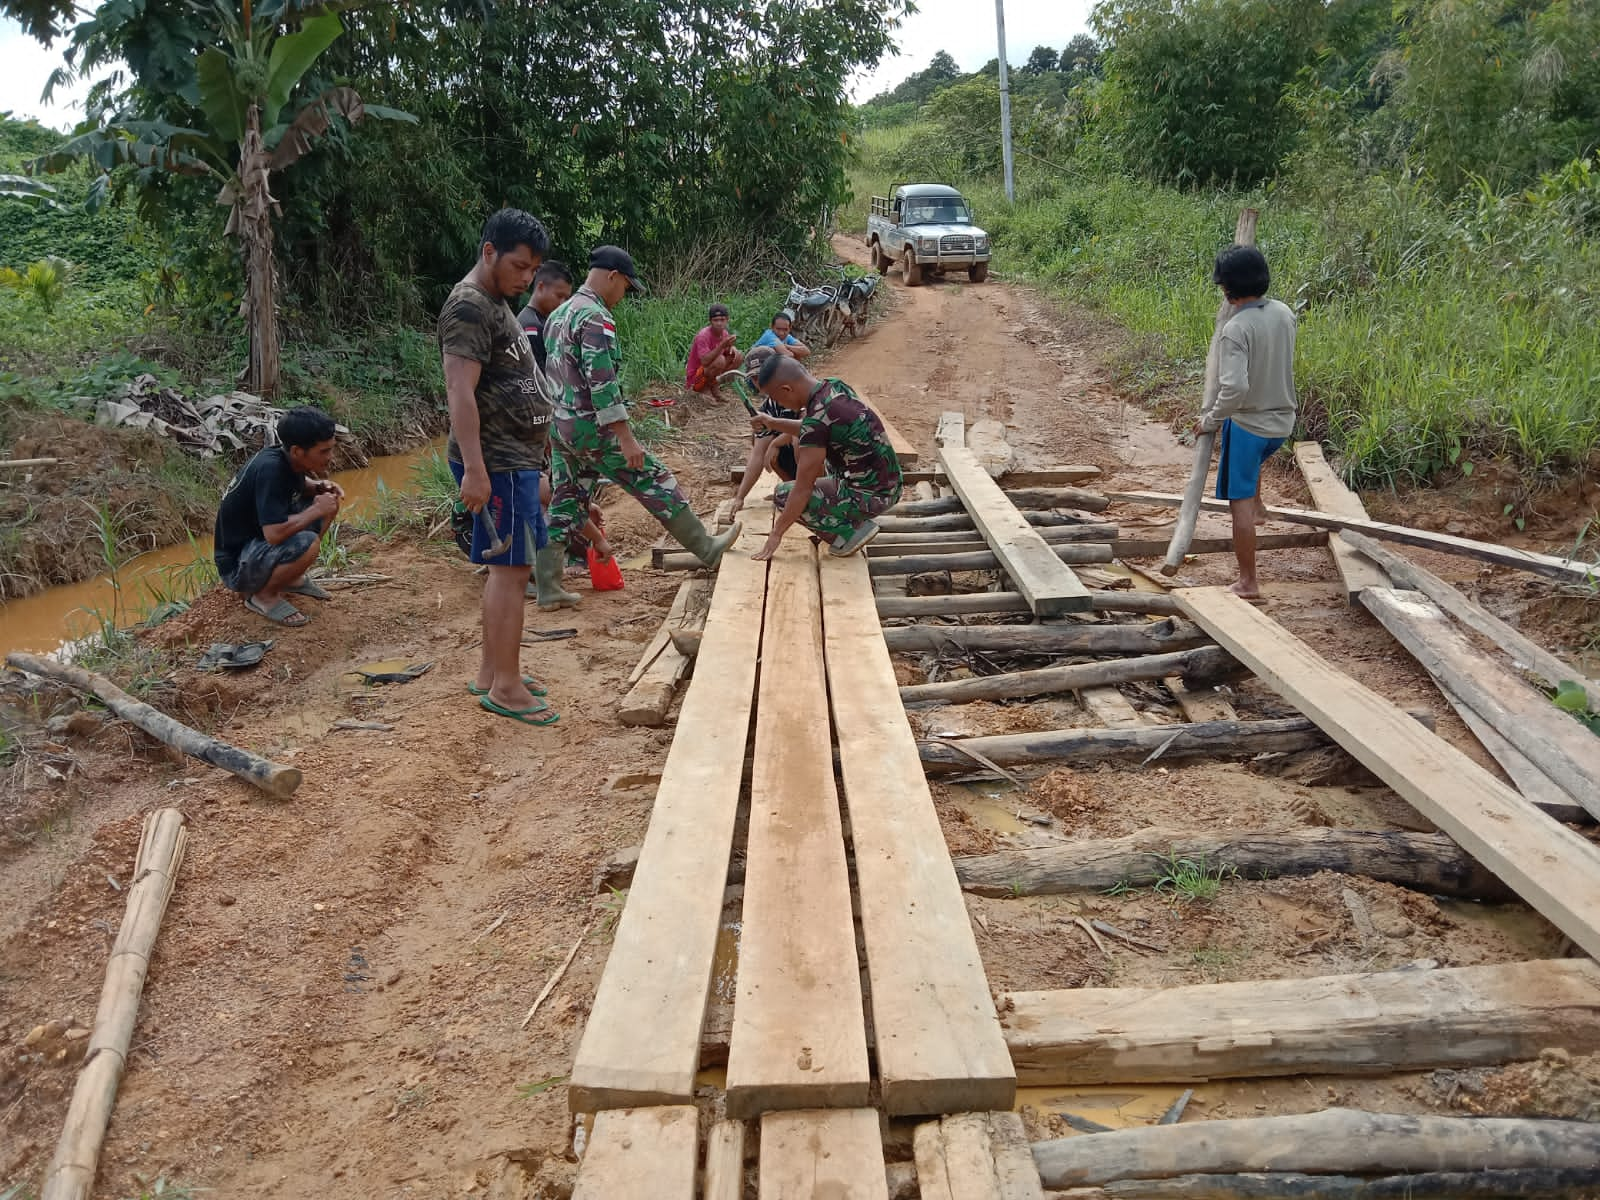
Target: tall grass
1432 335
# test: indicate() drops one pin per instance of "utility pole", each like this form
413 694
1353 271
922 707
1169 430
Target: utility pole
1005 100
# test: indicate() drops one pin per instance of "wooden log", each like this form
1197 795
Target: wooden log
1426 862
1550 739
1051 746
962 521
1020 497
674 910
1336 1140
1153 637
1084 532
155 872
1548 865
1046 603
646 703
1038 477
1244 234
1205 661
1375 1023
1563 570
938 1041
640 1154
799 1029
1150 547
1524 651
272 778
724 1172
967 603
1578 1183
1329 494
810 1154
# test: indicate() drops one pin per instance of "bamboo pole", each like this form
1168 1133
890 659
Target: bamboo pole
270 777
1244 234
155 871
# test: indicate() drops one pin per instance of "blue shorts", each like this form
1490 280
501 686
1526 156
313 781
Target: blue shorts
515 511
1239 465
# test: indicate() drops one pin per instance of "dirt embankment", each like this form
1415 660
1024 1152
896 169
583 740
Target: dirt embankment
335 1001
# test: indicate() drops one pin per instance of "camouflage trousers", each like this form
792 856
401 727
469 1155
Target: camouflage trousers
574 474
835 508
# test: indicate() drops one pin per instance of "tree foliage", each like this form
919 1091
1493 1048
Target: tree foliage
1043 59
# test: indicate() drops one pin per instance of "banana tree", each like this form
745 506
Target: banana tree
242 90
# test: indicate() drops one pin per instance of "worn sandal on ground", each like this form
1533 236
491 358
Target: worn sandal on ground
528 681
538 713
282 613
310 587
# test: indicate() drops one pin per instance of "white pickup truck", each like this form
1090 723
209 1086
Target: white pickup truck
926 227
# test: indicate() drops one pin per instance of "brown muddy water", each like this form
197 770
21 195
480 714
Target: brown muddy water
47 620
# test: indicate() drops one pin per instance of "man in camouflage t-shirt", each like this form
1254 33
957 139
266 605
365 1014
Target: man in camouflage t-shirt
593 438
846 472
499 443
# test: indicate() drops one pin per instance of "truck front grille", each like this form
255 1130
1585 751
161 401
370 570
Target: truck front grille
955 243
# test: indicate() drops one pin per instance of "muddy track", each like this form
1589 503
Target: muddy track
327 1015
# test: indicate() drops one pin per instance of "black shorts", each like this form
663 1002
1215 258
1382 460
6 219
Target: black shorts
260 558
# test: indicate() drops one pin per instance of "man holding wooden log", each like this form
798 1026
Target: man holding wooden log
272 516
1254 406
846 472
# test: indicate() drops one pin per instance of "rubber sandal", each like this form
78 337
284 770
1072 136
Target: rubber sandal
528 681
282 613
527 716
310 587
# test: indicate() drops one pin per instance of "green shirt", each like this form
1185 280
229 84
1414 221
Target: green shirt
513 417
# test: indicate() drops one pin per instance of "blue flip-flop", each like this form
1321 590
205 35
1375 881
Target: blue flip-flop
528 716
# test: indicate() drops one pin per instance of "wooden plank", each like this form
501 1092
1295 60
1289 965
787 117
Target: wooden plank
1048 585
640 1154
1524 651
1010 602
1528 779
1111 708
1550 739
939 1047
1330 495
975 1156
1565 570
659 970
822 1154
951 431
1199 704
799 1030
1361 1024
724 1173
1548 865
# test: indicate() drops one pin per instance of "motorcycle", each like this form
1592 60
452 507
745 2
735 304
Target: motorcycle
858 297
813 310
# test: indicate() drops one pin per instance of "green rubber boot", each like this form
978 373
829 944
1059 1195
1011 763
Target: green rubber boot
547 567
697 540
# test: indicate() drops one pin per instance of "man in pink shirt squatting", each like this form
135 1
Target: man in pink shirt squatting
712 353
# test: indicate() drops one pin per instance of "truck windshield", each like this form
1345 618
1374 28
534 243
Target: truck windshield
943 210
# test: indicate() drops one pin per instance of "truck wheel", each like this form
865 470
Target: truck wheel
909 270
978 272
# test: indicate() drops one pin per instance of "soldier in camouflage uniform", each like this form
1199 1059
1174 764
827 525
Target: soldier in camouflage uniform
835 433
593 440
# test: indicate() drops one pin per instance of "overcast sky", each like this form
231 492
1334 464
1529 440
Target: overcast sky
966 28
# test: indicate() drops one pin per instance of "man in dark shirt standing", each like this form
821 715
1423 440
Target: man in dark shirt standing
552 284
499 445
270 521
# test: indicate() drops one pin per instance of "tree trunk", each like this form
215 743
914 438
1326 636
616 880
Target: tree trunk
1426 862
253 218
961 603
1152 637
1206 662
1534 1183
1335 1141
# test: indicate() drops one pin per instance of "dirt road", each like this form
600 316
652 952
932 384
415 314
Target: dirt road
333 1010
